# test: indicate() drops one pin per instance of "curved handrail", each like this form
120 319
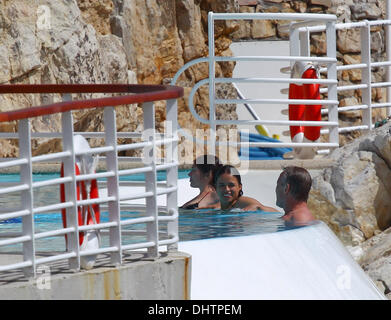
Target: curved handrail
186 66
198 84
139 93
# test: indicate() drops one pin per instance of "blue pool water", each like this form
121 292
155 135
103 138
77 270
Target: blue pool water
161 176
50 195
193 224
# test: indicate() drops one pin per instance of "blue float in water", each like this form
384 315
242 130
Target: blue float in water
254 153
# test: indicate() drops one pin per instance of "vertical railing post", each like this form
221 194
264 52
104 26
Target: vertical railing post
294 43
70 187
332 74
172 172
113 183
26 177
365 33
151 178
212 73
294 49
305 43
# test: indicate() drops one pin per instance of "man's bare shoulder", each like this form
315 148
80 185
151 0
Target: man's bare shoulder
251 204
303 216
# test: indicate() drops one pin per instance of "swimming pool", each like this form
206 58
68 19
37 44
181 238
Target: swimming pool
193 224
235 255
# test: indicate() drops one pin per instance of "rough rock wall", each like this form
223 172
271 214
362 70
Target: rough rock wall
354 194
107 41
50 42
354 198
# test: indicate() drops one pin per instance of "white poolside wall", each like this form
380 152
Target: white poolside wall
305 263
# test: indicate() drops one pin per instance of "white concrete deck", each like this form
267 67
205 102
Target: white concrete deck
305 263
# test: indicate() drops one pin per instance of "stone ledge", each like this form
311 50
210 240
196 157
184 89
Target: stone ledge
279 164
135 279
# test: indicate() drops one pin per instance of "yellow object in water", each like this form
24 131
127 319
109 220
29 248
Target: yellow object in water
265 132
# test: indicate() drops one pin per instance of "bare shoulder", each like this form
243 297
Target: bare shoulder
246 201
268 209
215 205
251 204
303 216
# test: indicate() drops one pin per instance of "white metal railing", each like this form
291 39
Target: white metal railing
367 63
114 201
299 41
330 82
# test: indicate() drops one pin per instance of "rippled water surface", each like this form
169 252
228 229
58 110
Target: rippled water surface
193 224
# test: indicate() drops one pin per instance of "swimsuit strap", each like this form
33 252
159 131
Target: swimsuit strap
192 206
195 205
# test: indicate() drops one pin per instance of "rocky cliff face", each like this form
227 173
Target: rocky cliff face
353 197
108 41
137 41
357 186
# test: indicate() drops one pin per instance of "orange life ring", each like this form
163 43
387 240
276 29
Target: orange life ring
302 112
81 192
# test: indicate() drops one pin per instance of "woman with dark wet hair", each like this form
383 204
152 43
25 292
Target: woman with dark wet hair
229 189
202 177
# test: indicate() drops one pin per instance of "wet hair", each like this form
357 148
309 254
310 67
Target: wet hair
232 171
299 181
208 164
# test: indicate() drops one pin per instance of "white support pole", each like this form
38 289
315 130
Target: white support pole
70 188
294 44
26 177
332 88
151 179
113 184
172 172
212 74
305 43
365 33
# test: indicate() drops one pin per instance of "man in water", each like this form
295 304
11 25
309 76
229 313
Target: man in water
292 190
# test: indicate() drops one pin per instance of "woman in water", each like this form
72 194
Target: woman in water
202 177
229 190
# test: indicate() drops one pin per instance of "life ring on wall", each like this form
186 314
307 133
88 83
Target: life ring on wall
302 112
86 215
